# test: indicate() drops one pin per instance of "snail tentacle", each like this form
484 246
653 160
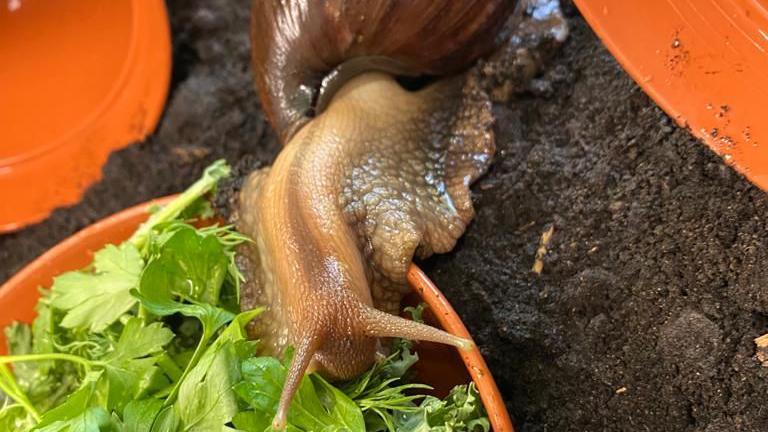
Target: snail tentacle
299 365
382 324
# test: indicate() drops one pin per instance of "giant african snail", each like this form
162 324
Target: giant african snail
373 176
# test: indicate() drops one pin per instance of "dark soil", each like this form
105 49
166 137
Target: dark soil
655 281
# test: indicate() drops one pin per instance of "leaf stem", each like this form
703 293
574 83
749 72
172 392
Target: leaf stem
170 367
9 386
201 347
87 364
215 172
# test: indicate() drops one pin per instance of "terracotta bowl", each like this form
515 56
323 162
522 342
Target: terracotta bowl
439 366
78 79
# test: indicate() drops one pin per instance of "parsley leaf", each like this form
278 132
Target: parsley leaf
156 296
44 383
80 412
88 330
139 415
194 265
92 419
137 341
14 417
317 405
19 338
94 300
205 401
188 267
42 333
130 367
461 411
380 392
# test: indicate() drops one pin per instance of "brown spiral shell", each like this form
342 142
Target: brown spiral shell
296 44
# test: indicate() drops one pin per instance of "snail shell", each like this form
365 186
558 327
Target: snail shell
296 44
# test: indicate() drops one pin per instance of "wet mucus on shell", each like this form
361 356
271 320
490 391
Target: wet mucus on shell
377 176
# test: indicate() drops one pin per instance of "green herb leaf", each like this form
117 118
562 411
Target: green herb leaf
461 411
346 413
211 317
129 368
44 383
75 414
199 209
398 365
19 337
88 323
166 421
193 265
175 276
311 410
95 300
93 419
137 341
381 376
417 312
235 331
155 293
139 415
189 267
206 401
9 388
43 333
15 418
252 421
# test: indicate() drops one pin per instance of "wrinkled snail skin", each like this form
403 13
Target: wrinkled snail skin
296 43
378 176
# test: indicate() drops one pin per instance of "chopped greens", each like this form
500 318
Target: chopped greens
148 338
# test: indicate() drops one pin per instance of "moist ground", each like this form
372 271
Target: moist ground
654 283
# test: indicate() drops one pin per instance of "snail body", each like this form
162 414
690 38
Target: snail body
379 175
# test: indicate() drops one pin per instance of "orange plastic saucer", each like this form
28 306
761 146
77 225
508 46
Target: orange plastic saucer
19 295
78 79
705 62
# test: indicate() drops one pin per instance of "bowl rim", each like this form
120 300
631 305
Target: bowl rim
119 226
473 359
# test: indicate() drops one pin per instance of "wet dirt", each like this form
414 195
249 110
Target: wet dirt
653 285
